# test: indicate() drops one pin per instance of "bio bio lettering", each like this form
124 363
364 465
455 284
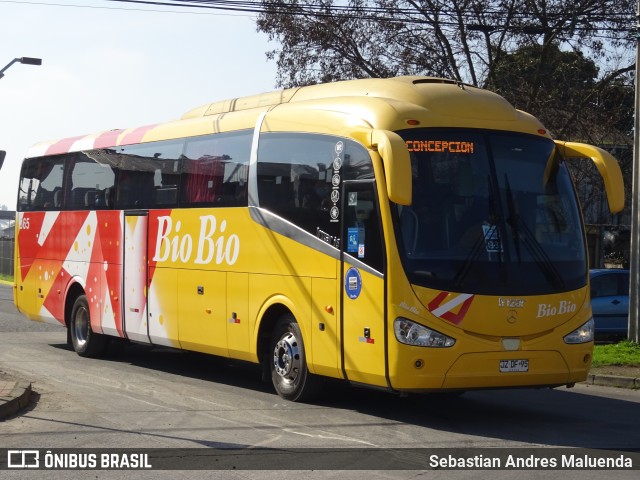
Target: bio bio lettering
171 244
548 310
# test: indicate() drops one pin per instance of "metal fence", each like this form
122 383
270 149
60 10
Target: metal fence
6 256
7 243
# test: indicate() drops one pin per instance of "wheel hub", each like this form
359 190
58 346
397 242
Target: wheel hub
286 357
81 326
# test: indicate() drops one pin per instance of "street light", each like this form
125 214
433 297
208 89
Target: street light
23 60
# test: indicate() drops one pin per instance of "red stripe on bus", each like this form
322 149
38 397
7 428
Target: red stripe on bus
136 135
107 139
62 146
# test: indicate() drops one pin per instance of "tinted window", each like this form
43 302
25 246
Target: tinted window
148 174
362 230
300 175
610 284
492 213
210 170
41 184
215 170
91 185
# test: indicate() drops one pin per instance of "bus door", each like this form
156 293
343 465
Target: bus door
134 292
362 287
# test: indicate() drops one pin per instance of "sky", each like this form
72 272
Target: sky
106 65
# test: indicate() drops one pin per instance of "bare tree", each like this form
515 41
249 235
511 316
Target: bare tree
324 40
568 62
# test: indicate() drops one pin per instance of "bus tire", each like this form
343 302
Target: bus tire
289 373
86 342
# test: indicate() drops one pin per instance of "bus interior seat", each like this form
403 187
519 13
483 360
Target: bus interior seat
78 198
42 198
136 190
57 197
108 197
145 193
91 198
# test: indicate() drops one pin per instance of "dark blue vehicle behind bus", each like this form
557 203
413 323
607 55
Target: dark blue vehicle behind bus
610 302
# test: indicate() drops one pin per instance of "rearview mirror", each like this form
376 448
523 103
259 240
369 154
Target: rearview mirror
607 166
397 165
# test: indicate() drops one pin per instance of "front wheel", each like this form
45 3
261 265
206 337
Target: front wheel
85 342
289 373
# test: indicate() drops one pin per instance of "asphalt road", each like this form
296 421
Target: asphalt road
142 397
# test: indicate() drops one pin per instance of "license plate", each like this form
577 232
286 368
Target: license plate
514 365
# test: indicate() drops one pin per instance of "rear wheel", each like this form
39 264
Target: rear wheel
289 373
85 342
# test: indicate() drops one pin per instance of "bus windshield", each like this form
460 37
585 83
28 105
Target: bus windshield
492 213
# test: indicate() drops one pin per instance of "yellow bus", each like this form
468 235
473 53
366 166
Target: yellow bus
413 234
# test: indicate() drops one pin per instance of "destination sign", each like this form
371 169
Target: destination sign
440 146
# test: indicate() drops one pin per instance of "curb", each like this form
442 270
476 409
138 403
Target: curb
16 400
613 381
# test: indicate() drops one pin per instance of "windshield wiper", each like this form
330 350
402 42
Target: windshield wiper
513 219
462 273
529 240
492 233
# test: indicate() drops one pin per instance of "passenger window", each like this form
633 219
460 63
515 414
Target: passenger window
41 184
215 170
148 174
300 178
91 184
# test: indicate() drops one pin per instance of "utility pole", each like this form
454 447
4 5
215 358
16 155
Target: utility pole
634 260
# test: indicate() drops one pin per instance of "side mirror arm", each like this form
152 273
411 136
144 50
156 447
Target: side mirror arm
607 166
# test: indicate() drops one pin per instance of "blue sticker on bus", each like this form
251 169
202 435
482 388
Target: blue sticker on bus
353 283
352 240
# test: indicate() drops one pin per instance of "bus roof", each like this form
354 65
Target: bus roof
362 104
428 92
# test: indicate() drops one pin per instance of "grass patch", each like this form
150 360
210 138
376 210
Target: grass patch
623 353
6 278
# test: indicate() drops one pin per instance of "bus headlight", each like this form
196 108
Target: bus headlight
412 333
583 334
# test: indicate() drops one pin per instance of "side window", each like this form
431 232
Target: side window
41 182
91 184
148 174
604 286
215 170
610 285
300 177
623 284
362 235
